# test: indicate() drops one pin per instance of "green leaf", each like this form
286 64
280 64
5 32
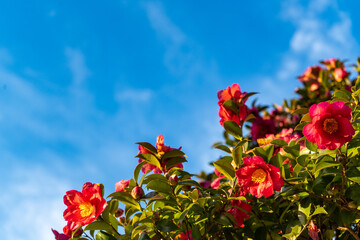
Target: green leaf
249 117
280 142
224 166
233 128
304 213
172 162
173 153
148 146
166 225
320 184
126 199
231 105
300 111
137 171
276 160
104 236
159 186
189 182
150 158
342 94
325 164
300 126
294 150
155 176
98 225
306 118
237 156
311 146
353 174
223 148
319 210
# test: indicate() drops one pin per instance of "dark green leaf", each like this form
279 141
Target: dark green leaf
300 111
325 164
173 153
98 225
104 236
166 225
224 166
137 171
233 128
300 126
223 147
148 146
311 146
232 106
172 162
126 199
237 156
159 186
279 142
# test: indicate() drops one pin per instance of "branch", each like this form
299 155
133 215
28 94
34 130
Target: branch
350 231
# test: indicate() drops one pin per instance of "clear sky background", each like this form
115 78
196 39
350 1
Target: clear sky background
81 81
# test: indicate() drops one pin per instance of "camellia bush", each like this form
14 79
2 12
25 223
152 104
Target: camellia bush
295 176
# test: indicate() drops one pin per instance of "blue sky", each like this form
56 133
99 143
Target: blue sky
82 81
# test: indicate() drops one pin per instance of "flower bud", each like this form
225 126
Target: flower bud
122 220
121 185
119 212
313 231
173 180
167 175
137 193
156 216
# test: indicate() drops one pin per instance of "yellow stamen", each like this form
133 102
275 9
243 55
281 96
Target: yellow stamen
86 209
258 176
330 125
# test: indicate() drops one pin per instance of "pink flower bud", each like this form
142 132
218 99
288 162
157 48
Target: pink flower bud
313 231
137 193
173 180
121 185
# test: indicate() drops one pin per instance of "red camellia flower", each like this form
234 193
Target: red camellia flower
340 74
330 126
238 210
312 77
83 207
121 185
258 178
261 127
232 93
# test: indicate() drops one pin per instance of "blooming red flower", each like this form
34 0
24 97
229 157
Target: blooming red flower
232 93
260 127
312 77
258 178
340 74
240 211
83 207
330 126
161 150
121 185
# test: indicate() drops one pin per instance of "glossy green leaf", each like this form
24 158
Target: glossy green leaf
173 153
150 158
233 128
137 170
224 166
232 106
353 174
148 146
104 236
173 162
126 199
223 148
159 186
280 142
166 225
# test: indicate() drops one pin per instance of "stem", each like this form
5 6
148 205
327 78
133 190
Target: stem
259 217
350 231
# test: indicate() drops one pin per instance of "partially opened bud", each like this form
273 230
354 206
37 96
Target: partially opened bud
313 231
122 220
121 185
137 193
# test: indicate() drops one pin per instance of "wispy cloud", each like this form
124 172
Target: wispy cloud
134 95
77 65
316 37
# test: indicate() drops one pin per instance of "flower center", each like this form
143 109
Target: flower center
258 176
86 209
330 125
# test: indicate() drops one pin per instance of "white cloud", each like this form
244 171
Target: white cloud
31 203
317 36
